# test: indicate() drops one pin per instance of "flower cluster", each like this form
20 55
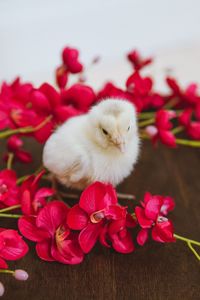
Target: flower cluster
66 234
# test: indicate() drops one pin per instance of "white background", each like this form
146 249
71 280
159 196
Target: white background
33 32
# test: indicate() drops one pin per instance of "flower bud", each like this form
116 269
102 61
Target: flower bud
2 289
20 275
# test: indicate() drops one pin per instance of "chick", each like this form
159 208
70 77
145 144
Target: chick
102 145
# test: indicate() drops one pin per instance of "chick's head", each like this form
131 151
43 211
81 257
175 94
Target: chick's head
113 123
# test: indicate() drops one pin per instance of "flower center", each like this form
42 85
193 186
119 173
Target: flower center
61 234
97 216
15 115
161 219
3 188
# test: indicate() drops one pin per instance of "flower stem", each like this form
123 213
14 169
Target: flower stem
27 129
10 216
7 271
182 238
21 179
10 160
146 122
193 250
177 129
10 208
188 142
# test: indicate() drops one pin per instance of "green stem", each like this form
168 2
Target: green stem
182 238
177 129
193 250
10 160
21 179
7 271
171 103
27 129
146 115
146 122
10 216
10 208
188 143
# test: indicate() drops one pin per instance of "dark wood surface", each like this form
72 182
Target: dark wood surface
155 271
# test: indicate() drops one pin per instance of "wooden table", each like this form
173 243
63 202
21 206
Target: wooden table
155 271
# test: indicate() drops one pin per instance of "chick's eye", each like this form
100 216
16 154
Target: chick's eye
128 128
104 131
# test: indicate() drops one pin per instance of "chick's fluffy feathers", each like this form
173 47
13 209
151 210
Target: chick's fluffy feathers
87 148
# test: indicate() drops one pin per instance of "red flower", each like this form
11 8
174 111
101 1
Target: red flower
12 246
32 198
137 61
152 214
110 90
193 130
55 241
79 96
116 232
14 145
71 61
9 192
97 207
46 102
61 76
164 125
187 97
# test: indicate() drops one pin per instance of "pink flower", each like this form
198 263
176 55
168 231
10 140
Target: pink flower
9 192
137 61
97 207
71 61
164 126
14 145
152 215
55 241
79 96
12 246
33 199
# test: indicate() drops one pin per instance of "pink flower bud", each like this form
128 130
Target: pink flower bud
2 289
151 130
20 275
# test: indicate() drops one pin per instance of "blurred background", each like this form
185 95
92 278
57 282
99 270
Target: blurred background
33 32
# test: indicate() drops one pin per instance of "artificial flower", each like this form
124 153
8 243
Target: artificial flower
152 215
55 241
9 191
12 246
97 206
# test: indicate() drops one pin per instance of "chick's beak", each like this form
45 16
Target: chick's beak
122 147
120 144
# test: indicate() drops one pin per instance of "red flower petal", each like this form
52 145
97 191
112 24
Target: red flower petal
15 248
103 237
26 202
43 250
89 235
97 196
27 227
142 219
69 252
152 207
167 138
123 243
77 218
142 236
163 232
52 216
